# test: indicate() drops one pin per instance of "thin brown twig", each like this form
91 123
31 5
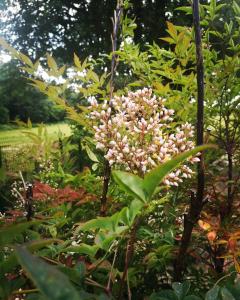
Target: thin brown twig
107 168
111 271
20 292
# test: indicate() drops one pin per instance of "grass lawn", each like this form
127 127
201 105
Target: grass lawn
16 136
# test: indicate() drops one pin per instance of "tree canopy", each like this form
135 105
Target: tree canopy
64 26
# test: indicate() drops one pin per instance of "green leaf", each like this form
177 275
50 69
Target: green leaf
155 296
106 242
12 51
236 8
99 223
134 209
80 269
186 9
91 155
156 176
52 63
7 265
172 30
83 249
9 233
36 245
226 295
168 40
95 166
53 284
213 294
77 61
166 295
53 230
181 289
75 274
131 184
26 59
124 216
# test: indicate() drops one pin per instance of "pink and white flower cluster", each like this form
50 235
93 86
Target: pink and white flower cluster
135 132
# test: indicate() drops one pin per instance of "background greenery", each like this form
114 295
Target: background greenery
52 229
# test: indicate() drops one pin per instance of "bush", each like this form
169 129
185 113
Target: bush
4 115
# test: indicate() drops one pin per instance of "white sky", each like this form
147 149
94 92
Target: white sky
4 58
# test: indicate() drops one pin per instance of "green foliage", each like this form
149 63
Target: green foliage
144 218
78 22
4 115
144 189
9 233
20 100
130 183
229 291
111 228
180 291
46 277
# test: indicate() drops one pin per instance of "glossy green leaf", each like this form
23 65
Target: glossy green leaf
156 176
131 184
53 284
181 289
213 294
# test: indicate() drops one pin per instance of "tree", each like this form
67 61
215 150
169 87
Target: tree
20 100
64 26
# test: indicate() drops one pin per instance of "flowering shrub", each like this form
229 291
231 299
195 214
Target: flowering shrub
135 132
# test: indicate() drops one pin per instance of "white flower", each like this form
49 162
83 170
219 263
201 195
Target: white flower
93 101
135 134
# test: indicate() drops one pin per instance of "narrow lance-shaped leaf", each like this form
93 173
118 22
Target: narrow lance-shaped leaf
91 155
156 176
77 61
52 283
130 183
52 63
